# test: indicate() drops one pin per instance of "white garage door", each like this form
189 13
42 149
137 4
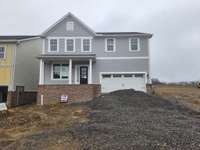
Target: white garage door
117 81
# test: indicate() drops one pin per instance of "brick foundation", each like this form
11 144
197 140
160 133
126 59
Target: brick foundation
23 98
76 93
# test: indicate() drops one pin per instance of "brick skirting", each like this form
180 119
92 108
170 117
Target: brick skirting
22 99
76 93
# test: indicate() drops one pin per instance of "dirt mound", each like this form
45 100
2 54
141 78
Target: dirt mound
128 119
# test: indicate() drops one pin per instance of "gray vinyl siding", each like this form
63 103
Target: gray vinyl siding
132 65
98 47
27 66
60 29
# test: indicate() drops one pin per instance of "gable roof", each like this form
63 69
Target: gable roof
124 34
63 18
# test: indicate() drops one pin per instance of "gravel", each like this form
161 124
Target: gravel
128 119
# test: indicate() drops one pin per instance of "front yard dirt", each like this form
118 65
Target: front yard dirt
120 120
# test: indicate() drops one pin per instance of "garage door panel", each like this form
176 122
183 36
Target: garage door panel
114 82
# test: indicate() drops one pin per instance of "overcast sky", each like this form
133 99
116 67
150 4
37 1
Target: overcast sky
175 46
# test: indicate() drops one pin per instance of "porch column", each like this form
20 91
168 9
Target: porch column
70 71
41 76
90 71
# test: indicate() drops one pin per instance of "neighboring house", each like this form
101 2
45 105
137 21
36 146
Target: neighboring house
19 69
76 62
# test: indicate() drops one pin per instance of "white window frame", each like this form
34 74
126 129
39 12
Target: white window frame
138 43
74 47
72 25
60 71
82 47
4 51
49 45
106 45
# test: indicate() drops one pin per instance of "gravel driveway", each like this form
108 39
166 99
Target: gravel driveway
134 120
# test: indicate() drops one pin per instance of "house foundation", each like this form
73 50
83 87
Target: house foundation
52 94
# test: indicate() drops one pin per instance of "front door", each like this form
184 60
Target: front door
83 75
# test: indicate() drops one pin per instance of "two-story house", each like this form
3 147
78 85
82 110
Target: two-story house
19 69
77 62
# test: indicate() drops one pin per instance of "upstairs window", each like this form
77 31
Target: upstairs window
86 45
53 45
110 45
2 52
60 71
134 44
70 45
70 26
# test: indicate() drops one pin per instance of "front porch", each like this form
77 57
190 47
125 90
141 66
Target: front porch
66 76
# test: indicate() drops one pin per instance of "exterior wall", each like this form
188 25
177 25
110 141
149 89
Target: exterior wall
76 93
6 66
27 65
124 65
60 29
13 99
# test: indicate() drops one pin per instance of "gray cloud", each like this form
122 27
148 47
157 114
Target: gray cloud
175 47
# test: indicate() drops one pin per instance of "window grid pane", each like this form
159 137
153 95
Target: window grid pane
56 71
2 52
70 45
110 44
134 44
86 44
53 45
65 71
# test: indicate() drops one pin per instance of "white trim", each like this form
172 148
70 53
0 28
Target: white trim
28 39
70 71
106 45
66 37
74 44
138 44
76 68
5 52
101 73
41 77
82 50
118 58
70 23
60 71
13 69
49 47
90 72
43 46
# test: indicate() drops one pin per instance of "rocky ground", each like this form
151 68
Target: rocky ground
120 120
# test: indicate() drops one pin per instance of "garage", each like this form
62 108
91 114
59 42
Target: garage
117 81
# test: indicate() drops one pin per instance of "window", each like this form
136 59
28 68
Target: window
2 52
110 45
86 45
70 45
117 75
139 75
106 75
70 26
134 44
128 75
60 71
53 45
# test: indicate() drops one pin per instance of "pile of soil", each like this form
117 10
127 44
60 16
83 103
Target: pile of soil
120 120
129 119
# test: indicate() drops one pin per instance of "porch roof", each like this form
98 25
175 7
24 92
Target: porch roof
67 56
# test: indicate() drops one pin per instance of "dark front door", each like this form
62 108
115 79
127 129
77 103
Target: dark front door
83 75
